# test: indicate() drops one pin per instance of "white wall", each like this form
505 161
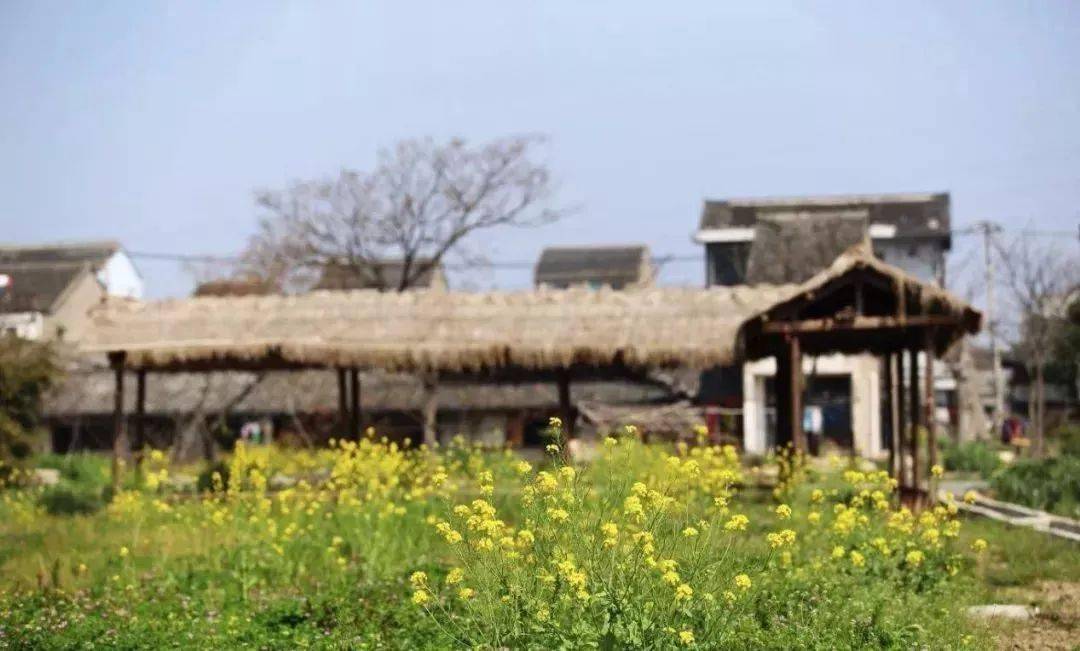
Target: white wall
28 325
120 277
924 260
865 399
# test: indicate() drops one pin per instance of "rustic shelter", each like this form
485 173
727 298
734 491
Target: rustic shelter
857 304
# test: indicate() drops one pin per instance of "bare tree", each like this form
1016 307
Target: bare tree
419 204
1041 275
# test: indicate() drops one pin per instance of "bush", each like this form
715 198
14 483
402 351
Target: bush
66 500
1045 484
974 456
1069 435
27 370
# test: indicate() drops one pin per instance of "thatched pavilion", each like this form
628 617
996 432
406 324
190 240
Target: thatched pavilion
857 304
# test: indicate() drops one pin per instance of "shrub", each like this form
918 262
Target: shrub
1046 484
973 456
1069 435
67 500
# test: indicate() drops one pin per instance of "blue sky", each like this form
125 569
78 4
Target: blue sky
153 122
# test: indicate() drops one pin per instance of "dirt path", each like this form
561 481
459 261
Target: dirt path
1057 625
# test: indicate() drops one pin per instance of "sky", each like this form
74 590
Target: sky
154 122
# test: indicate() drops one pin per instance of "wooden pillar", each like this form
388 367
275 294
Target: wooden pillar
117 361
916 410
798 436
354 404
431 408
782 391
566 407
928 380
343 404
140 419
901 420
894 414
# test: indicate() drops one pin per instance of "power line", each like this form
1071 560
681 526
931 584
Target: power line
659 260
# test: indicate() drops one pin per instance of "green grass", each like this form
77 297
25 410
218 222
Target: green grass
204 572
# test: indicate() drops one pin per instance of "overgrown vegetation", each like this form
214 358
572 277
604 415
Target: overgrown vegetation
1051 484
369 546
973 456
27 370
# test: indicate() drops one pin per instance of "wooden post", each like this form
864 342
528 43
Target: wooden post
566 407
901 420
915 407
798 436
117 361
928 374
140 419
431 409
782 390
343 404
894 415
354 404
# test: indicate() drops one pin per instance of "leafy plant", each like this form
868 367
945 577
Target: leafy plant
1051 484
973 456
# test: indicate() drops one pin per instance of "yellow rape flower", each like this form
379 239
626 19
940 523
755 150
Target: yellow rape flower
783 511
978 545
742 582
686 638
683 592
737 522
455 576
421 597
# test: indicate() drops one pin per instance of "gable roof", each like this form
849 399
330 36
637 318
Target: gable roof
93 253
38 287
618 266
924 215
40 274
378 274
789 248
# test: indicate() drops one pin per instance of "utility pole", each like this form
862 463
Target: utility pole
988 230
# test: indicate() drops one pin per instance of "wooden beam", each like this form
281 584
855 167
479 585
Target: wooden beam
140 419
354 404
928 372
798 436
901 421
782 398
343 403
117 361
858 323
915 406
894 415
566 407
431 409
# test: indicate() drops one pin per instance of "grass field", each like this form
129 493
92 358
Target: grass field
370 546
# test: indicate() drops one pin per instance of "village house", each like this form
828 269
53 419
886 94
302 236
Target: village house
787 240
614 267
47 290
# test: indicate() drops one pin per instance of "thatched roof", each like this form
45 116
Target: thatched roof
89 392
415 331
